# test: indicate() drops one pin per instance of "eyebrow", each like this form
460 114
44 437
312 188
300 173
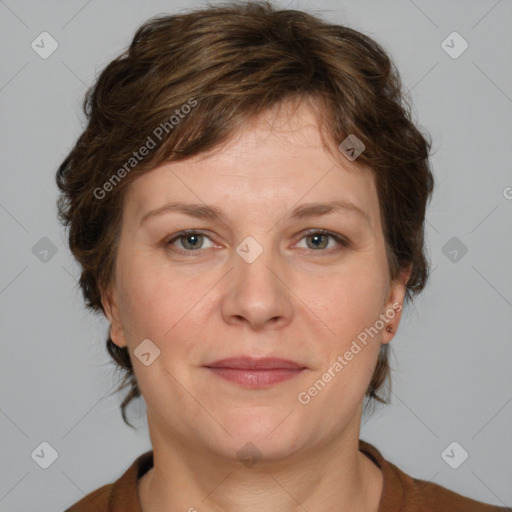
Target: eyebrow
203 211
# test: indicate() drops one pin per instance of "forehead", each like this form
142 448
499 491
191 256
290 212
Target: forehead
274 162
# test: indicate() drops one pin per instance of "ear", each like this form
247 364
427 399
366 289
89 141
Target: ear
110 307
395 303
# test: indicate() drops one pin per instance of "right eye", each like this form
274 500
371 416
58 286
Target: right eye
190 240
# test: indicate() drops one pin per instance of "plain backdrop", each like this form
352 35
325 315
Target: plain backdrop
452 380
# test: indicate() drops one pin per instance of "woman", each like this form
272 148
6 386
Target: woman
247 204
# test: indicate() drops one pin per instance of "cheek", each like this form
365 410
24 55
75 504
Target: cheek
145 298
351 300
156 301
351 309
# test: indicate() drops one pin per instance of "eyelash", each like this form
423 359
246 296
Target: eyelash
340 240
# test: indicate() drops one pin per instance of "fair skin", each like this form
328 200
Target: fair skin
304 298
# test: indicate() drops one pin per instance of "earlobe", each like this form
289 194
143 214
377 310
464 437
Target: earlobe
394 305
111 312
392 313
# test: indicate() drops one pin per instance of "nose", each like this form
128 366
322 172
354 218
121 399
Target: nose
258 292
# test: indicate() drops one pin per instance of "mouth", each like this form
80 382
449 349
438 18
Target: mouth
253 373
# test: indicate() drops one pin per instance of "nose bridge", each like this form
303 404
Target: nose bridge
257 292
255 257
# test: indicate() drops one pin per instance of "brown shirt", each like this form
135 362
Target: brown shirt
400 493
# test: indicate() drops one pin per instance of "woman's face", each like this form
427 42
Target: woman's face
256 280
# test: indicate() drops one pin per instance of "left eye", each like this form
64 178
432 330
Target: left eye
192 241
316 239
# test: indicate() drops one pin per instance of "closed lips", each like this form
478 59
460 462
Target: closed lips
246 363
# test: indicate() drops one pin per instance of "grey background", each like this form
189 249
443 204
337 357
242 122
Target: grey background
452 379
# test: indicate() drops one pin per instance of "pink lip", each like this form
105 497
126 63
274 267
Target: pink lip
255 373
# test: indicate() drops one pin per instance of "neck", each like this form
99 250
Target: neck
335 476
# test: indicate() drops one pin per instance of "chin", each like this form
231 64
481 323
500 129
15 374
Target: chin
271 433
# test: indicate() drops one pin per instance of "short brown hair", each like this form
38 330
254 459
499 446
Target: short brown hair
228 63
